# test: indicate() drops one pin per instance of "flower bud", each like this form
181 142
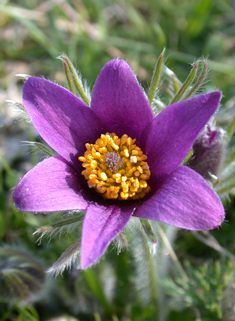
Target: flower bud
208 152
21 276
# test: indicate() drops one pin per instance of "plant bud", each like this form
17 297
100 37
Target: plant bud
208 152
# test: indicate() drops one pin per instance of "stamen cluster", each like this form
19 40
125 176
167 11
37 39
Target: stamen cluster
116 168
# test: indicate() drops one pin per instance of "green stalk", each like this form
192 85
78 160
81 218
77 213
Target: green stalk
175 82
69 78
172 254
148 230
76 79
152 271
97 290
186 84
199 81
155 78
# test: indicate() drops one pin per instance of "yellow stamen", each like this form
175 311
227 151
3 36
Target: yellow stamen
116 168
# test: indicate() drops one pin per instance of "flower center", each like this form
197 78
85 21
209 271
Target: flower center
116 168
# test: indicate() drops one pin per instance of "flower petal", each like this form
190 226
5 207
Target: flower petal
52 185
184 200
61 118
168 138
101 225
119 101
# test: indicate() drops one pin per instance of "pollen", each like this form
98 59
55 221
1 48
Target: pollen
116 168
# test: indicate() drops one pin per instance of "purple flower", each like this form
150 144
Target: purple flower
177 195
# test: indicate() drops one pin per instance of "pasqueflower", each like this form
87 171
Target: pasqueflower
116 160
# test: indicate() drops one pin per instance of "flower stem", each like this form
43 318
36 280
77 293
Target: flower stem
172 254
155 78
186 84
152 271
97 290
148 230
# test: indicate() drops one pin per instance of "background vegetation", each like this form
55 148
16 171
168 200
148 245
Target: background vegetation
191 279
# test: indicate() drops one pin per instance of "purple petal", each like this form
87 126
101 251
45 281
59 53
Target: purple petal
168 138
61 118
101 225
119 101
184 200
52 185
